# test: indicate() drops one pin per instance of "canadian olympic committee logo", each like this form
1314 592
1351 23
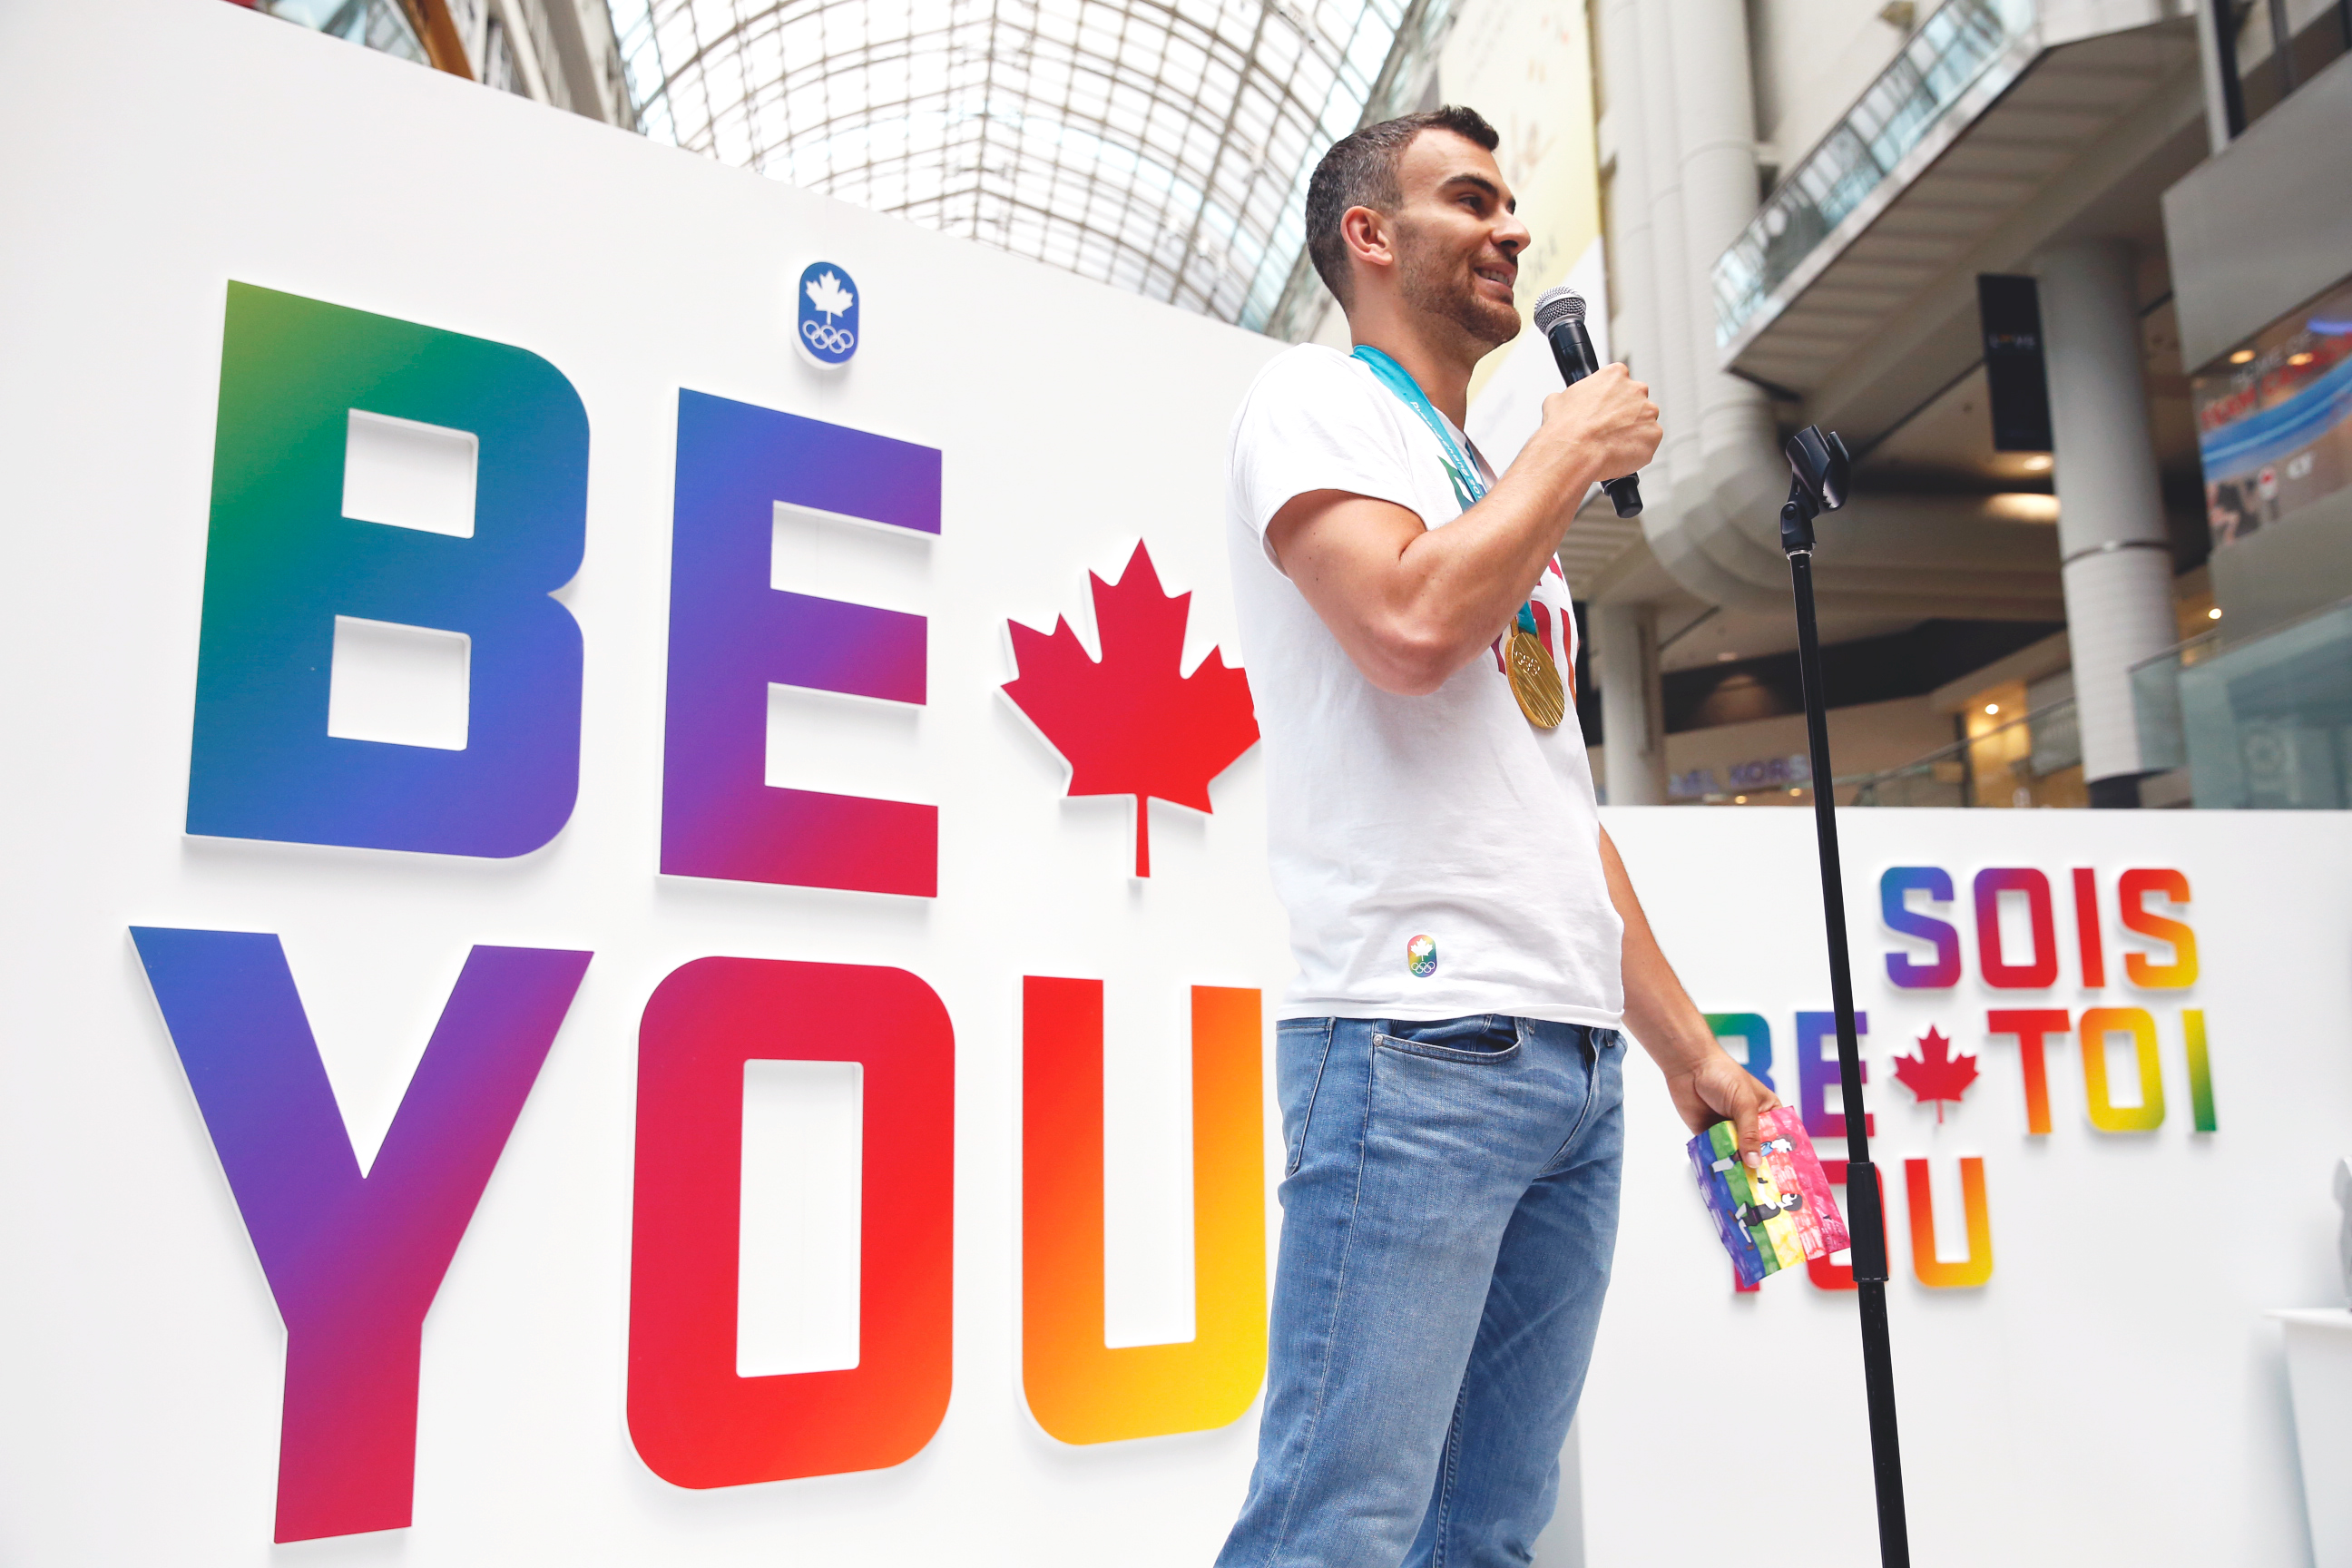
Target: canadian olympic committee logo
827 329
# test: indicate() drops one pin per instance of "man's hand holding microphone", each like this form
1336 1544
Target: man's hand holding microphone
1603 419
1559 317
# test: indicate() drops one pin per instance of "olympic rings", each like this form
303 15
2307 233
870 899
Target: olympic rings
828 340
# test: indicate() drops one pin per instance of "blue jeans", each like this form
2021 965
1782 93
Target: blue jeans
1449 1210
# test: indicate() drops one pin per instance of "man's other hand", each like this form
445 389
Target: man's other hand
1719 1089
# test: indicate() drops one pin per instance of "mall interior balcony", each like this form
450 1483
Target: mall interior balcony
2070 281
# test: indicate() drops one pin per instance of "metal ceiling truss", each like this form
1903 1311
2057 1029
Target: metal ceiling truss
1163 146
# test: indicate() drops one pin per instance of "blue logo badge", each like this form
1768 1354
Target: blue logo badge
828 315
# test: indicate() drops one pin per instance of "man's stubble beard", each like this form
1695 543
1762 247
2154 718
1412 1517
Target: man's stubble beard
1434 283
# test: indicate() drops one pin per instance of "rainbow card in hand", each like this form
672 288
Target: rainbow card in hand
1776 1213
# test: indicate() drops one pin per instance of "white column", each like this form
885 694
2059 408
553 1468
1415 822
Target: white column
1716 171
2117 564
1739 476
1717 470
2208 70
1633 293
1671 382
1633 711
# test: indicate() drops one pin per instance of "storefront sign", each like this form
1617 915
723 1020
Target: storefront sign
2274 420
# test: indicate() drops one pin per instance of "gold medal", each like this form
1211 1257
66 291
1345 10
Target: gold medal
1534 680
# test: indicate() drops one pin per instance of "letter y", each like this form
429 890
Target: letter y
355 1261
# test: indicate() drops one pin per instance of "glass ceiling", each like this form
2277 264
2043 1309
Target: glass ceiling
1160 145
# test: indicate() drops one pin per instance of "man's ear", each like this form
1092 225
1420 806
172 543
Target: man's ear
1366 235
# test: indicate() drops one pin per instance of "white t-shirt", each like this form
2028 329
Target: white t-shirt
1439 854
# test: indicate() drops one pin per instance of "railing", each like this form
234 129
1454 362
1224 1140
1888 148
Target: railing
2264 722
1963 56
2156 698
2267 51
2032 760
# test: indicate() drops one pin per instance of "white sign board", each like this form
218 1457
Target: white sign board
325 373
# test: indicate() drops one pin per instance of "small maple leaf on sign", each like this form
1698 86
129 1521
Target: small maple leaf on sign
829 297
1935 1073
1132 722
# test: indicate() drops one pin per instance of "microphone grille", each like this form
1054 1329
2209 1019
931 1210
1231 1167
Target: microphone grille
1558 305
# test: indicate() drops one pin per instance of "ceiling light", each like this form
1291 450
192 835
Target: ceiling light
2242 356
1992 706
2215 613
2299 358
1740 800
2038 463
2023 506
1725 658
1794 791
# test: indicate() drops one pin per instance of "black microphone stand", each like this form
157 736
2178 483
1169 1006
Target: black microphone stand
1820 469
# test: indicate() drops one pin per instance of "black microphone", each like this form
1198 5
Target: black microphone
1559 317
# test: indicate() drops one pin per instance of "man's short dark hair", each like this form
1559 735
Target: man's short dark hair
1361 171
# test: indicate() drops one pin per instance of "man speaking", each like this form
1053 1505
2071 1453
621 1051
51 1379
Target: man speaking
1468 943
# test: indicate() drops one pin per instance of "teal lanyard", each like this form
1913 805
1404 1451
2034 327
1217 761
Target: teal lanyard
1469 485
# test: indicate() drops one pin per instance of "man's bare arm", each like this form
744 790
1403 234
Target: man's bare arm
1412 604
1706 1084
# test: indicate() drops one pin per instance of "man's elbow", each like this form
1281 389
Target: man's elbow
1411 660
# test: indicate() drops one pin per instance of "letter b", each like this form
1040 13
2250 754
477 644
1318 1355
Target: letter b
284 562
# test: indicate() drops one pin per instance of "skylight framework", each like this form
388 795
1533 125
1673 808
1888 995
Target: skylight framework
1163 146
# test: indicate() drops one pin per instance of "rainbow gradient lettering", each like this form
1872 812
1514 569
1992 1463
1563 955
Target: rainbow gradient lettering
283 562
1755 1036
1894 904
1817 1074
2031 1026
2172 968
731 635
2150 903
695 1422
353 1260
1925 1267
2132 890
2041 969
1079 1389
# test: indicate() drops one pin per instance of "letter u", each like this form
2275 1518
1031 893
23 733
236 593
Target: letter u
1080 1389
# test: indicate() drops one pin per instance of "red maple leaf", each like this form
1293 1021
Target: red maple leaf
1133 722
1935 1073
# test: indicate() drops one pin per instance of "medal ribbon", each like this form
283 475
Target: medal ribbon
1544 706
1469 485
